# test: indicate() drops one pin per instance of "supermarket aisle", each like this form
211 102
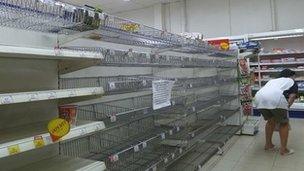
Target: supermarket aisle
247 153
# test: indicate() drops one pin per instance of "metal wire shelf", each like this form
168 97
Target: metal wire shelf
130 58
111 85
124 84
106 110
130 145
222 134
56 17
45 16
198 156
195 158
115 112
119 142
124 31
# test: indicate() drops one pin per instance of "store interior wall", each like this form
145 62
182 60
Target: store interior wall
224 17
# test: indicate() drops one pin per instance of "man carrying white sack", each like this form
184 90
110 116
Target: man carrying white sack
273 102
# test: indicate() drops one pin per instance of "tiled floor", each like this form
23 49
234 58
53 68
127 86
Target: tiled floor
247 154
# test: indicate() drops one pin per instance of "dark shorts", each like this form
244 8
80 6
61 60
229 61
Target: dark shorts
279 115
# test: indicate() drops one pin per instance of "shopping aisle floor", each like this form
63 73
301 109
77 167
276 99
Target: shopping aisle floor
247 154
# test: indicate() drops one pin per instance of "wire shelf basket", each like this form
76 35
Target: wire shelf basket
115 109
47 16
124 84
113 57
222 134
55 17
119 146
195 158
111 85
136 142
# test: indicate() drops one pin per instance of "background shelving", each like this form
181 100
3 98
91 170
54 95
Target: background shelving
271 61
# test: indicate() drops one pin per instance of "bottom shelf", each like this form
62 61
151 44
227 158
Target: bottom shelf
204 150
62 163
201 153
23 138
222 134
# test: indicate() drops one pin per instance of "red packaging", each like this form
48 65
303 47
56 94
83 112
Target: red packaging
69 113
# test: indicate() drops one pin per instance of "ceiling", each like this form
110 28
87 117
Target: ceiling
116 6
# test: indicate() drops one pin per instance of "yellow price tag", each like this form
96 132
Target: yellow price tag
38 141
14 149
58 128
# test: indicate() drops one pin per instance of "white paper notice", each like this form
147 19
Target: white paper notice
162 93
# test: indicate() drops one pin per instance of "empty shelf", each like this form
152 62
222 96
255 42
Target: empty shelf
195 158
61 163
222 134
52 54
68 60
13 98
29 137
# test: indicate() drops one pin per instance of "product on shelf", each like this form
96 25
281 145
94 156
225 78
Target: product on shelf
265 61
58 128
300 59
288 59
264 68
243 66
69 113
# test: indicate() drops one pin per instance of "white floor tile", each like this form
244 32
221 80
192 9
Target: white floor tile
248 153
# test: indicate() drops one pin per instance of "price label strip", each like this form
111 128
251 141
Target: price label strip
166 160
6 100
136 148
32 97
113 118
14 149
177 129
38 141
144 144
163 136
112 85
114 158
180 150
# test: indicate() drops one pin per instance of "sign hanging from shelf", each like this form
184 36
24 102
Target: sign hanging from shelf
162 90
222 44
58 128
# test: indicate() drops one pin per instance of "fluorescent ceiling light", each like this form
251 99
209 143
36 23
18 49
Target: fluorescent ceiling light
277 37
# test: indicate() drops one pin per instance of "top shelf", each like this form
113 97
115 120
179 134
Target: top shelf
65 19
53 54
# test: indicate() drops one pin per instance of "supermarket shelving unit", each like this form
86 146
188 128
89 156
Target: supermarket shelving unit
29 99
121 134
